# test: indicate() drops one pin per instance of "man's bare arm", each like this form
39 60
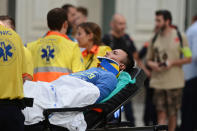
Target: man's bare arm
179 62
140 64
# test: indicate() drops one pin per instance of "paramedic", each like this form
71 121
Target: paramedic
89 37
12 64
10 23
55 54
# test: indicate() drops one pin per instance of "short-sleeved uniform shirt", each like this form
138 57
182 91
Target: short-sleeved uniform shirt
124 42
167 48
53 56
104 80
12 63
90 58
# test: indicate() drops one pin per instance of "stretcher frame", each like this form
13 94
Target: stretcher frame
103 124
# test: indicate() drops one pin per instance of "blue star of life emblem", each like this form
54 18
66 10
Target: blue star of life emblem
48 53
5 51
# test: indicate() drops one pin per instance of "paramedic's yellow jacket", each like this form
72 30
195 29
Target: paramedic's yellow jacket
90 58
12 63
55 55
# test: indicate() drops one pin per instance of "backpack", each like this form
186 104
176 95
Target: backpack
179 36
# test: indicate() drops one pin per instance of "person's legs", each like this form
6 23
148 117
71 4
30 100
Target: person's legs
174 97
146 116
172 123
12 118
160 102
162 116
194 103
150 114
186 108
129 113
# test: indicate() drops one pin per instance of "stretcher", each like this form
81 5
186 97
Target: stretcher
98 116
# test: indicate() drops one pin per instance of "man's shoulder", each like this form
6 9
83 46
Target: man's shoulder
107 39
108 35
31 44
9 33
10 39
192 29
67 42
126 36
52 39
61 39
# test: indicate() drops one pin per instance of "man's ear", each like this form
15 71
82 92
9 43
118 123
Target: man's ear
167 22
122 66
65 25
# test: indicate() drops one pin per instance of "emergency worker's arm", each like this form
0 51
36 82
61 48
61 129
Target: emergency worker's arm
24 61
28 68
77 60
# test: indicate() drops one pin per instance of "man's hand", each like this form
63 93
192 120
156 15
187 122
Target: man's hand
141 65
169 64
147 72
154 66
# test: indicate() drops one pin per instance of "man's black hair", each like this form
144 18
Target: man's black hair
83 10
129 61
55 18
166 15
10 20
67 6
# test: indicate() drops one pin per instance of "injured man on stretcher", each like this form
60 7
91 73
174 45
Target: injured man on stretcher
76 90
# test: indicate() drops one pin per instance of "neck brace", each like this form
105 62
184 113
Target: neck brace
109 65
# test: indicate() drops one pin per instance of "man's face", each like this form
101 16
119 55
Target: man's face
72 15
160 23
117 55
80 18
119 25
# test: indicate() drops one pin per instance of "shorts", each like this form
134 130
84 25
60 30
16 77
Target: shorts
168 101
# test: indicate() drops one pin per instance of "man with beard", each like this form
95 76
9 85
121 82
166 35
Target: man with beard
166 55
71 12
